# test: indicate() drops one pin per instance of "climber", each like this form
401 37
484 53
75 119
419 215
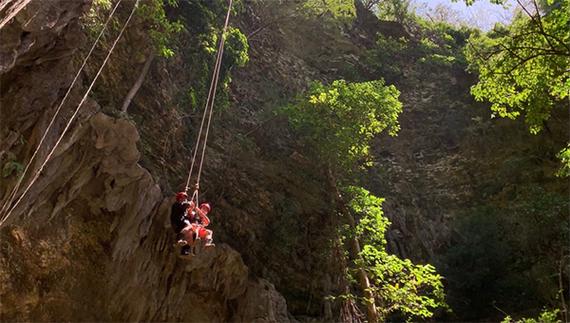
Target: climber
198 218
178 212
179 221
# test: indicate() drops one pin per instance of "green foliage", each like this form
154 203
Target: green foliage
236 48
102 4
399 286
523 68
11 167
94 18
564 156
339 120
161 29
204 20
547 316
442 44
340 9
386 56
435 45
396 10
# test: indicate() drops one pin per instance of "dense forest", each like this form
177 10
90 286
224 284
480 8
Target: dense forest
364 163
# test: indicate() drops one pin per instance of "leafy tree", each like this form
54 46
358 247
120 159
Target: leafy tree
524 68
150 13
339 120
399 286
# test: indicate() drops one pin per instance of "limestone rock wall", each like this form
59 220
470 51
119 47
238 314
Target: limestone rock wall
91 241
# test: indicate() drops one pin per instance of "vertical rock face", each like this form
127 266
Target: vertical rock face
91 241
261 303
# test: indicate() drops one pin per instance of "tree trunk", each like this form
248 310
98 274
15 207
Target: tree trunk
363 281
561 289
133 91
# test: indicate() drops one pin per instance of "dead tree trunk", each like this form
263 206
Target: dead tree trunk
133 91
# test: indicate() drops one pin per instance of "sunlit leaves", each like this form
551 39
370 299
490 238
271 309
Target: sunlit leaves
399 286
339 120
564 156
335 8
524 69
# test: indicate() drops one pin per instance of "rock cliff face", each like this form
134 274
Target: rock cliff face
91 240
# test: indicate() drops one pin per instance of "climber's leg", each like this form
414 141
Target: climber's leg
207 236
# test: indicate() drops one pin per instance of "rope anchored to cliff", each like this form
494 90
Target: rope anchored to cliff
8 208
208 111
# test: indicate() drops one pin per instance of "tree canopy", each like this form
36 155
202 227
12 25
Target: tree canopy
339 120
524 68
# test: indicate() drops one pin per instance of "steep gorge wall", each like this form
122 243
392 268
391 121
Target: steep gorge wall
91 239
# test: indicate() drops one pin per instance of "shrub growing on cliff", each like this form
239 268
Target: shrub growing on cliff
151 14
161 29
203 20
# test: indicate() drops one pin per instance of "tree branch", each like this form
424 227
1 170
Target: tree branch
133 91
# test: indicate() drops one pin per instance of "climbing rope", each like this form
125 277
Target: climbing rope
14 12
208 111
38 172
12 195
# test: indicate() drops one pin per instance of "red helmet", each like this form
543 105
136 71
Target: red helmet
181 196
205 206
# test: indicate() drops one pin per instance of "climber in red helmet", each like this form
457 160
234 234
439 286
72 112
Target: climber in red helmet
178 212
198 218
178 219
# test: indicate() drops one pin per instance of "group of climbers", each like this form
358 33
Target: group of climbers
189 222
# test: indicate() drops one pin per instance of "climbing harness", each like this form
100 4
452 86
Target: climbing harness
208 111
8 205
12 195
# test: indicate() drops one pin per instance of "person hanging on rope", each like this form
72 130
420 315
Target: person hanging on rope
198 218
179 221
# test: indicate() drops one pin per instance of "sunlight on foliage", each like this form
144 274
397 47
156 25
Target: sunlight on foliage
336 8
545 317
399 286
524 69
564 156
340 120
